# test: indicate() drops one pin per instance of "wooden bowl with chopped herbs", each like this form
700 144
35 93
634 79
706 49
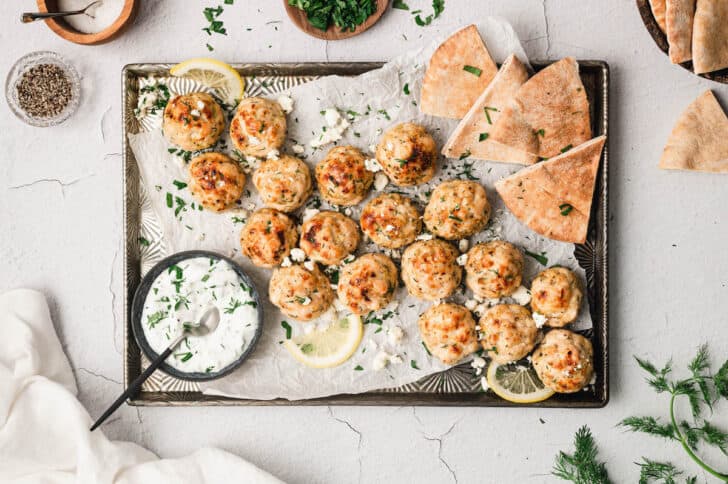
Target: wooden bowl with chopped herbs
338 20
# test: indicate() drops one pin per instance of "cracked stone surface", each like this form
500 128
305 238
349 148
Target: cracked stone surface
61 231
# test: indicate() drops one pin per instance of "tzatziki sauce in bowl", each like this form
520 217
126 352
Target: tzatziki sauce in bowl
173 295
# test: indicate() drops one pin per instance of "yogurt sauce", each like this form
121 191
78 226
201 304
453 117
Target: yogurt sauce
180 294
96 19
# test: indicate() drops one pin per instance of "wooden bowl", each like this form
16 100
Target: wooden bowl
299 19
64 30
661 40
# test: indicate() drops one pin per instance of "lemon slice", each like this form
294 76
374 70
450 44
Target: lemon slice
215 74
517 383
329 347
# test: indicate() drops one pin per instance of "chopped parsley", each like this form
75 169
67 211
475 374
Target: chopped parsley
541 133
483 136
180 185
464 155
154 318
184 356
345 14
566 148
358 368
233 305
473 70
486 110
405 89
541 258
413 364
143 242
288 329
399 4
566 209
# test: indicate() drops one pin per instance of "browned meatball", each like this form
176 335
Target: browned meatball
329 237
259 126
407 154
299 293
457 209
193 121
556 293
368 283
564 361
268 237
391 220
494 269
216 181
342 176
509 332
283 183
430 269
448 331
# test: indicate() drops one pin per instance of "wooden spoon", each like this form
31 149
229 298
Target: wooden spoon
300 20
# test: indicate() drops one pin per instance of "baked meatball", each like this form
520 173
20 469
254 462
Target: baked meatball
391 220
508 332
494 269
193 121
299 293
283 184
448 331
564 361
408 154
342 176
268 237
430 269
556 293
457 209
368 283
329 237
258 127
216 181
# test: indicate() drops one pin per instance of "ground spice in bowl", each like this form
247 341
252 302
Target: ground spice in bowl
44 91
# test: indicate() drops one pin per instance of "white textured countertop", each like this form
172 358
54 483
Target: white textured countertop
60 232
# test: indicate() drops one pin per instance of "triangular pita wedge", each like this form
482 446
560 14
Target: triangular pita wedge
658 11
471 134
710 36
699 140
459 70
679 16
554 197
549 113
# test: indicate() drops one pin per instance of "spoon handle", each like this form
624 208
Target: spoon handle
28 17
137 383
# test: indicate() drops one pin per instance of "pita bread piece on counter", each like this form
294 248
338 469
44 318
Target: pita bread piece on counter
658 11
554 198
699 140
710 36
679 16
459 70
548 114
472 135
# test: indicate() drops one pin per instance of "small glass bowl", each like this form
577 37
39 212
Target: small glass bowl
16 74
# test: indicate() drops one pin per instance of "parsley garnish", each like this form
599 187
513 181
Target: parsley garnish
233 305
565 209
345 14
566 148
358 368
413 364
473 70
541 133
405 89
541 258
400 5
483 136
487 114
180 185
154 318
464 155
288 329
185 356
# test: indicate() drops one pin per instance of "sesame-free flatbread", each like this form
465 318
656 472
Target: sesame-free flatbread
554 198
548 114
458 72
658 11
699 140
471 136
710 36
679 16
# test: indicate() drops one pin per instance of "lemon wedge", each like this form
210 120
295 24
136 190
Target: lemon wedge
517 383
215 74
328 347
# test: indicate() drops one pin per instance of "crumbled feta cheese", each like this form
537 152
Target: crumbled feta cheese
336 126
462 260
308 328
492 302
332 117
593 379
309 265
286 103
463 245
250 164
253 140
480 309
219 183
309 212
522 296
200 105
195 113
389 228
273 154
251 206
306 301
396 360
484 384
372 165
298 149
349 258
478 362
390 146
286 262
424 236
539 319
339 305
380 361
298 255
395 335
395 254
372 148
470 304
380 181
348 212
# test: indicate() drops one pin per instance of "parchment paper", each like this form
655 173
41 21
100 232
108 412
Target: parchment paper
379 100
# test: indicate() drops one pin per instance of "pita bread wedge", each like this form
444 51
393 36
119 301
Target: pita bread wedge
710 36
699 140
679 16
554 197
549 113
658 11
459 70
471 135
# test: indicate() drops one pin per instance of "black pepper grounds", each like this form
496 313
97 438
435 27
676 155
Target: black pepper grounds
44 91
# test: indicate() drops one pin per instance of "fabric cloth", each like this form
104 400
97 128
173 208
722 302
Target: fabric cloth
44 429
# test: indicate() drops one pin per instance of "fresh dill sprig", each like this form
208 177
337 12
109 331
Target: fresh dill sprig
581 467
665 472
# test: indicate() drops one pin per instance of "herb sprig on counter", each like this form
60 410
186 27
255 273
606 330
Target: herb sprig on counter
582 466
345 14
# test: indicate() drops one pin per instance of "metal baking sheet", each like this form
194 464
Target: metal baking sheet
457 386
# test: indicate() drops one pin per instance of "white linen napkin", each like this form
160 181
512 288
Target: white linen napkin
44 434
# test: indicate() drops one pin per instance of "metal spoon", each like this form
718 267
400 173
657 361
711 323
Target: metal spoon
205 325
29 17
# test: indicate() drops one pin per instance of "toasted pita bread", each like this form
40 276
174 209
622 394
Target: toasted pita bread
679 16
471 135
548 113
658 11
449 87
554 197
699 140
710 36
